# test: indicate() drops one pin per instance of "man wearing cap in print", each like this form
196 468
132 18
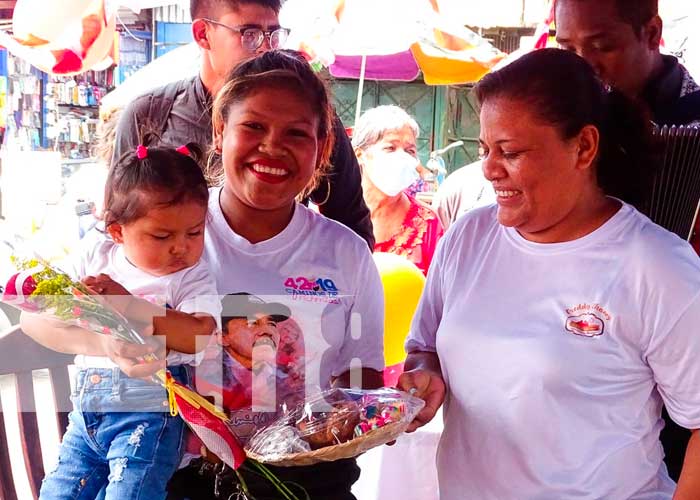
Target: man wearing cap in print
259 363
249 326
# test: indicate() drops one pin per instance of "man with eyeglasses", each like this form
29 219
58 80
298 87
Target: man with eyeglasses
229 32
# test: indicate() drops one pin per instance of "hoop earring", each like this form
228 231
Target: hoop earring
213 173
328 192
211 158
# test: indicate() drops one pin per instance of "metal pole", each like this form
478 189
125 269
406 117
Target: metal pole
154 39
360 89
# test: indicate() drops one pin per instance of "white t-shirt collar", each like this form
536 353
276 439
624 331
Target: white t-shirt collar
290 234
603 234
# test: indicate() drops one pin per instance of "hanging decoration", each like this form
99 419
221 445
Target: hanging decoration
69 37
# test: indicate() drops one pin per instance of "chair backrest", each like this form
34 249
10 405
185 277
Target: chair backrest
19 356
675 196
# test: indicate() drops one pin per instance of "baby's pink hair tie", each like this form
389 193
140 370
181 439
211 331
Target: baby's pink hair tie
184 150
141 151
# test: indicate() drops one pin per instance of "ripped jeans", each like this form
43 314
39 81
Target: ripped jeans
120 439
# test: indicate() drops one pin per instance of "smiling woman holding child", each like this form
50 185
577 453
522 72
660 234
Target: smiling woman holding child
273 136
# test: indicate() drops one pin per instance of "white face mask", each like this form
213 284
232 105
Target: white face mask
392 172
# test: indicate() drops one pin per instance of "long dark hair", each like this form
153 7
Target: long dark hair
160 176
562 90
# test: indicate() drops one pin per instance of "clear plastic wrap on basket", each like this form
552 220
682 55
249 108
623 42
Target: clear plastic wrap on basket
334 424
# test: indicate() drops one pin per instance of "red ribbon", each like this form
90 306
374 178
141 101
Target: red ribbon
184 150
141 151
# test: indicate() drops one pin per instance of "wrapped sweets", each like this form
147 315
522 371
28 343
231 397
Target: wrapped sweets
332 427
376 414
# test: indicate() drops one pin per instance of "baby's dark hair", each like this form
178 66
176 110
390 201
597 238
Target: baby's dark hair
153 177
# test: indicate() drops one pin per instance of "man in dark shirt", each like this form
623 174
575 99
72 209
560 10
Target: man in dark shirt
181 111
620 39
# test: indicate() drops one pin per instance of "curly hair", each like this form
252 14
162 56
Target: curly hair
106 136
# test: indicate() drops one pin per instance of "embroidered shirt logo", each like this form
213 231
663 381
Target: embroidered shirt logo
586 325
586 320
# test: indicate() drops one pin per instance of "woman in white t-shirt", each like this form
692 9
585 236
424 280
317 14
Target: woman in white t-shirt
291 280
557 323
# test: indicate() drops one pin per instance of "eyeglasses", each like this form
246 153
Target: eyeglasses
253 38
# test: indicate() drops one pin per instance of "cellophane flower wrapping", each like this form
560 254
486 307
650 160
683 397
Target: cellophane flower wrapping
335 424
39 287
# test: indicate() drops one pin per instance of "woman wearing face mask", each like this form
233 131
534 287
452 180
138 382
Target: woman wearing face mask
385 144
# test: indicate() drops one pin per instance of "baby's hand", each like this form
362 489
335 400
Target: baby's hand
104 285
112 292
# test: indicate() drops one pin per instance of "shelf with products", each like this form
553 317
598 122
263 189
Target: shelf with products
23 110
72 133
72 111
76 106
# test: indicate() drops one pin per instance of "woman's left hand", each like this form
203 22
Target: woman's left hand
428 386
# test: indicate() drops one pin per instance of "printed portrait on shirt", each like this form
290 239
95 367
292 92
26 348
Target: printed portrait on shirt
258 361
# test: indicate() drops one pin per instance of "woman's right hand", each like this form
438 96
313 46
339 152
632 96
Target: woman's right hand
126 355
426 385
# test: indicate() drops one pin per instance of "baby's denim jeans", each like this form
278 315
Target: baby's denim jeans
120 437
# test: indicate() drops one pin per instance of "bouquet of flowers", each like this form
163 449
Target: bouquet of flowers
335 424
39 287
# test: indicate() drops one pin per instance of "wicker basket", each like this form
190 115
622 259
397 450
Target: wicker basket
349 449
